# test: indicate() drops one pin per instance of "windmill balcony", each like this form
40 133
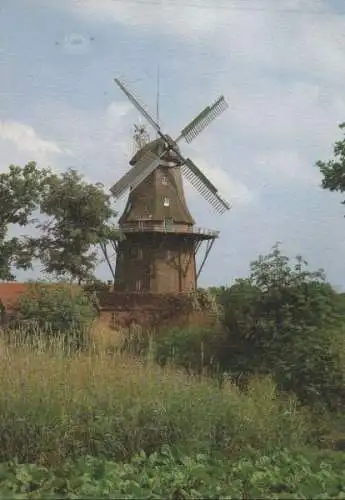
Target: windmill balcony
143 226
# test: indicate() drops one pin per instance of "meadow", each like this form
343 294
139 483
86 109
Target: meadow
252 407
104 423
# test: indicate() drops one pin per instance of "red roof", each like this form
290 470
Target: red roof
10 292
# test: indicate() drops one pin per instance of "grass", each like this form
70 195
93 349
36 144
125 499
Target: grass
55 407
100 423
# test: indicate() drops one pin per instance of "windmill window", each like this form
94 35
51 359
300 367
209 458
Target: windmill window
166 201
164 180
138 285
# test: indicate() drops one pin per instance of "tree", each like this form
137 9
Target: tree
21 190
333 170
79 220
287 321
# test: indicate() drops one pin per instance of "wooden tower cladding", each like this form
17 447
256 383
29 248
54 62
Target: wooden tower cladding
158 253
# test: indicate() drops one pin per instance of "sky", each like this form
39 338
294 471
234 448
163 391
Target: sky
280 66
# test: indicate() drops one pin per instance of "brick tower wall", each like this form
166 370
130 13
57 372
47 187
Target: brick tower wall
121 310
156 263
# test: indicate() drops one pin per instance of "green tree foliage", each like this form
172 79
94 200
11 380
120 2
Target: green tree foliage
288 321
79 220
21 190
333 170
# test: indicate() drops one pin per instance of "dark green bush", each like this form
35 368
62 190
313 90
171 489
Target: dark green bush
196 349
286 321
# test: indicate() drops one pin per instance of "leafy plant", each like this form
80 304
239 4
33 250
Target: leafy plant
280 475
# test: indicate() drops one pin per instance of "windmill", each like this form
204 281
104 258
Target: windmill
158 254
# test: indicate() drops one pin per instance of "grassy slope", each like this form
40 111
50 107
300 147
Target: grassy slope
57 410
53 407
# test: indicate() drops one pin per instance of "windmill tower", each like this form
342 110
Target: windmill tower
158 253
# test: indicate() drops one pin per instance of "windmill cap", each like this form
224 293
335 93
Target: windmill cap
157 146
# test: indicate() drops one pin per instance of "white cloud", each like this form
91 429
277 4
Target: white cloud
296 35
165 16
283 112
20 143
199 15
118 121
118 110
99 140
25 138
286 166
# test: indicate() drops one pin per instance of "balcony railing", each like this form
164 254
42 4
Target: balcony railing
169 228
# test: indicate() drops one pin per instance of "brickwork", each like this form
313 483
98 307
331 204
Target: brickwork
156 263
121 310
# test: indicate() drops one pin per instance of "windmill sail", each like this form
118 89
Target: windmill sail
205 187
143 167
137 104
149 161
196 126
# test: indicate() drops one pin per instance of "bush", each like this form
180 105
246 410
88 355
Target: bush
285 320
195 349
56 310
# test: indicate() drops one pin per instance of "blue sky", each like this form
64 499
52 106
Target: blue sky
280 65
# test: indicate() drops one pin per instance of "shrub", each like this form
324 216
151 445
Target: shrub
56 310
196 349
284 320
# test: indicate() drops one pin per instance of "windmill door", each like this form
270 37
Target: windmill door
168 223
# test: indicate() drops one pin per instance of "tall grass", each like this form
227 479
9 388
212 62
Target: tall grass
54 406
